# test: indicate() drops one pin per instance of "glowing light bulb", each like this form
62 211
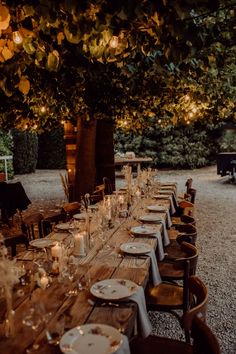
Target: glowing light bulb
114 42
17 37
194 110
43 109
159 121
187 98
190 114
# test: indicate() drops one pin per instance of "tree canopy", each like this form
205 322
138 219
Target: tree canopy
133 61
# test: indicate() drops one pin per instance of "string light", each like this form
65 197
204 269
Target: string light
17 37
114 42
43 109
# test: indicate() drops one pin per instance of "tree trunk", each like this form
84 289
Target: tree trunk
105 152
85 174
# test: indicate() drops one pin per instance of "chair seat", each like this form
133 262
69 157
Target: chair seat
164 296
159 345
173 233
173 251
170 271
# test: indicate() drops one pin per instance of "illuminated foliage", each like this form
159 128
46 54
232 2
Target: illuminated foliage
131 61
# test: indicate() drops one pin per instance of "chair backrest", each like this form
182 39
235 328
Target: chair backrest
191 258
204 341
13 241
192 193
98 194
186 228
198 297
188 264
197 304
188 184
187 219
189 238
107 185
70 209
32 226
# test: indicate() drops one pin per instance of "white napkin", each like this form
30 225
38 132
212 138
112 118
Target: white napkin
169 222
165 233
170 197
124 348
156 277
143 319
160 248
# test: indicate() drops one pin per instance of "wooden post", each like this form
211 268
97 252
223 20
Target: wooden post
105 151
70 134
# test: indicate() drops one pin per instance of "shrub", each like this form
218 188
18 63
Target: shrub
6 145
51 150
177 147
25 151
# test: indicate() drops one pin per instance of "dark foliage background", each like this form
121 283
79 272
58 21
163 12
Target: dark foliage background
51 150
25 151
177 147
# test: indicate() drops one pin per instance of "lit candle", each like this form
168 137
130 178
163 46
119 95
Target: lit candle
56 251
121 199
79 239
44 282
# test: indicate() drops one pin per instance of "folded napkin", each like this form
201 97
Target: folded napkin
144 323
160 248
165 233
156 277
170 198
169 222
124 348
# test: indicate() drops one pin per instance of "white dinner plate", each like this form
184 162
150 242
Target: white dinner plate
136 247
166 191
157 208
91 339
63 226
143 230
161 196
81 216
150 218
113 289
42 243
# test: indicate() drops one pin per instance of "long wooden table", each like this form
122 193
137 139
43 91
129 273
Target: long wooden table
100 263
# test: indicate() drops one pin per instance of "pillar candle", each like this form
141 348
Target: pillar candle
79 239
56 251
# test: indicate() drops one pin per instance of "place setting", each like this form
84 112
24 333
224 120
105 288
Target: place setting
94 338
120 290
146 230
156 208
143 249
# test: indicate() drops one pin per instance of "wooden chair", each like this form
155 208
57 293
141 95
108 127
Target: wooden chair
168 296
173 250
107 185
173 232
203 340
172 271
70 209
32 226
12 242
98 194
183 219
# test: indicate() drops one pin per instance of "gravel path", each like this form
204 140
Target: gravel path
216 216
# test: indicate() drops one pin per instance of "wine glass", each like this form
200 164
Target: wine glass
35 317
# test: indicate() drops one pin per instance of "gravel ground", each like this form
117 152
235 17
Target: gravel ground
215 215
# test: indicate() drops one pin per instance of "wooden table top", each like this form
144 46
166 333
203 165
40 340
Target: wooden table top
100 263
